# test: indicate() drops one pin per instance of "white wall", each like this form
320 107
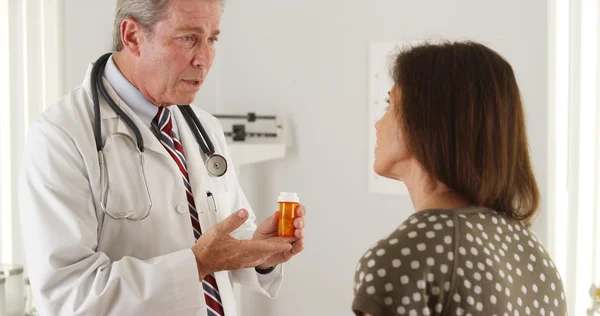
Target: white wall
307 60
88 26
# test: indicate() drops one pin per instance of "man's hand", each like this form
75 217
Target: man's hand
268 230
216 250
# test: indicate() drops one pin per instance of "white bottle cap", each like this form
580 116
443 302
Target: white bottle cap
288 197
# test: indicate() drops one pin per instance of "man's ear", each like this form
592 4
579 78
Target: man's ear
131 35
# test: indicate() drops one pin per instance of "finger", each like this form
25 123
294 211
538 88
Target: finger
299 233
299 223
232 222
300 211
297 247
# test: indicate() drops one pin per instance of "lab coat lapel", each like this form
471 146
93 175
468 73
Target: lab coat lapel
151 142
106 112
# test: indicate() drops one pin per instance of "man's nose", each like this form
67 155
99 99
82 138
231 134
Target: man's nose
203 57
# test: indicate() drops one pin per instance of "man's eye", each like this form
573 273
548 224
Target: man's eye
213 39
188 38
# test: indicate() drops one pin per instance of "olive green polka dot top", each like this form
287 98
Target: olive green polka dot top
468 261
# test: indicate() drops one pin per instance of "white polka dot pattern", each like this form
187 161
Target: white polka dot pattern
470 261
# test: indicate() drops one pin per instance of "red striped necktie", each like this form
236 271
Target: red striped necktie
173 146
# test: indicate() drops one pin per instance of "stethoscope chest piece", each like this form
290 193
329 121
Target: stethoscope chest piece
216 165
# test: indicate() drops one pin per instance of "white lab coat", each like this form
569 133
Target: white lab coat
82 262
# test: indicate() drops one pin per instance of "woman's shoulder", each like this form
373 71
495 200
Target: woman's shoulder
420 234
411 264
423 232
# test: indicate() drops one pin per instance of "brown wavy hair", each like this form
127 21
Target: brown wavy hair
462 116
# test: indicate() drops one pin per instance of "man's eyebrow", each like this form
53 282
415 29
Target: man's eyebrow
198 30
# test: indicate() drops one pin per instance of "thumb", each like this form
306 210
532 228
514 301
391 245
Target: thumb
266 247
233 221
275 220
277 244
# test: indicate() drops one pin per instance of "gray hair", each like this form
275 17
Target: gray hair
146 12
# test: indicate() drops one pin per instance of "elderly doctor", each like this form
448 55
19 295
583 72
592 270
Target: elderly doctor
146 227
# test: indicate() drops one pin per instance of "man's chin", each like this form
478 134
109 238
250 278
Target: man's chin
185 98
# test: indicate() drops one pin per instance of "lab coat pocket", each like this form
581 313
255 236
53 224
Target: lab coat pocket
221 209
226 207
125 190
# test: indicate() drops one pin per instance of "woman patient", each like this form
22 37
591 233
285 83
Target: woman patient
454 133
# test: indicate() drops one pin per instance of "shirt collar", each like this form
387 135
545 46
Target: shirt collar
143 108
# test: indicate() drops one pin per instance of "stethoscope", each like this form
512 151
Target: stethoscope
216 165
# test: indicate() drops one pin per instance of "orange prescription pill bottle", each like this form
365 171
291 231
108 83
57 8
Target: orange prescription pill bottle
288 203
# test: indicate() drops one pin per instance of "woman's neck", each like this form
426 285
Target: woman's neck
428 193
